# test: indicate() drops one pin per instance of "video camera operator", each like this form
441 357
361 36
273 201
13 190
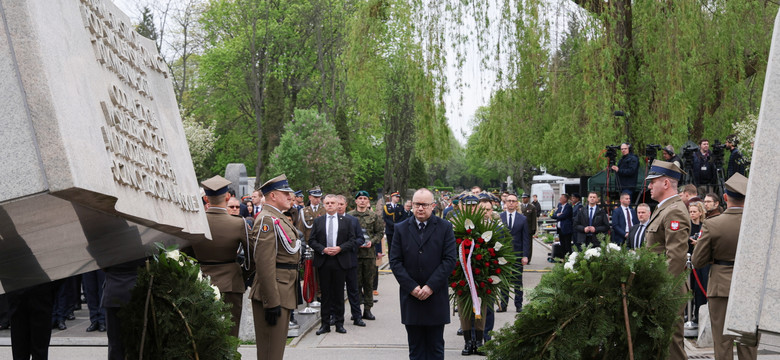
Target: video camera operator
736 161
627 170
704 171
670 156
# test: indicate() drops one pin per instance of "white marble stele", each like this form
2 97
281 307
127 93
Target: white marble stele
91 133
754 301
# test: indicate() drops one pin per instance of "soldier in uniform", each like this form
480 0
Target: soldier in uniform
392 214
277 254
298 200
217 257
529 211
373 229
717 245
667 232
311 212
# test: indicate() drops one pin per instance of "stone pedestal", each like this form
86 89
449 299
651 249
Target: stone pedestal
95 163
754 301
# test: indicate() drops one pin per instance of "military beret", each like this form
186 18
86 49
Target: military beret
362 193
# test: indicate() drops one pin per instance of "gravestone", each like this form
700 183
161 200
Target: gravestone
95 166
754 300
236 174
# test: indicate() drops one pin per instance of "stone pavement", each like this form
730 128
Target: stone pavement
382 339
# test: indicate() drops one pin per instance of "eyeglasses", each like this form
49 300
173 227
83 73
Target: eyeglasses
234 207
416 205
511 201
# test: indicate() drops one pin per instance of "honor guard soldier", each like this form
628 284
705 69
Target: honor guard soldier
311 212
373 228
717 245
392 213
217 257
667 233
277 254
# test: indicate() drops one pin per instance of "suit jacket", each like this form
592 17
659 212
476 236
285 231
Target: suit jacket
345 239
521 241
228 233
575 209
273 286
564 216
632 233
359 239
667 233
619 224
600 222
718 241
419 262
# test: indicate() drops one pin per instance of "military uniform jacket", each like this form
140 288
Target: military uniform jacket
273 286
228 232
667 233
307 220
373 229
718 241
529 211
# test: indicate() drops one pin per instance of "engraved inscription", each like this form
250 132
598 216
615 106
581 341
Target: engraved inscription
132 134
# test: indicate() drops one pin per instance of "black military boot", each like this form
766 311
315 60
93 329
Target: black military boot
467 349
367 315
477 343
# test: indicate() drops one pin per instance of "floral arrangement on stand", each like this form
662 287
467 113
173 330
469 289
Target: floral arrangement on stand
175 312
603 303
485 260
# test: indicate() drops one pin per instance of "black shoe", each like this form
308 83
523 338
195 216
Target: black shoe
102 327
323 329
358 322
501 309
61 325
340 329
70 316
519 309
469 345
376 301
92 327
5 326
367 315
477 343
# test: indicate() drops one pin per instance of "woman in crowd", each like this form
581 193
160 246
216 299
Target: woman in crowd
699 277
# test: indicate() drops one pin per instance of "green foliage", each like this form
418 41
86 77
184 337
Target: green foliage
576 311
200 140
185 315
492 258
146 27
310 154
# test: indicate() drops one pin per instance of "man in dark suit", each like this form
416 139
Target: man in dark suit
333 241
627 170
636 237
521 242
531 216
392 213
353 294
564 216
576 204
422 258
591 221
623 219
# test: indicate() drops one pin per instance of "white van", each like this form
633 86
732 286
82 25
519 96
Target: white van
548 189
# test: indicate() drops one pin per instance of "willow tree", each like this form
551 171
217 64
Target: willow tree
395 84
680 70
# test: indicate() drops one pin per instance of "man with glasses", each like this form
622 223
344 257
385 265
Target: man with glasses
711 205
521 242
627 170
422 258
667 233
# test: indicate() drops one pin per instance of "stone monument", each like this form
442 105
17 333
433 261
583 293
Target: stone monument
236 173
95 163
754 300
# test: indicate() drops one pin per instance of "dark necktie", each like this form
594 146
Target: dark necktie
421 229
628 219
510 220
590 219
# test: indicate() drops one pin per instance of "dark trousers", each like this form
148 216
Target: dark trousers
31 310
517 284
699 298
425 342
353 295
5 315
93 291
66 299
116 350
332 278
490 322
565 243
